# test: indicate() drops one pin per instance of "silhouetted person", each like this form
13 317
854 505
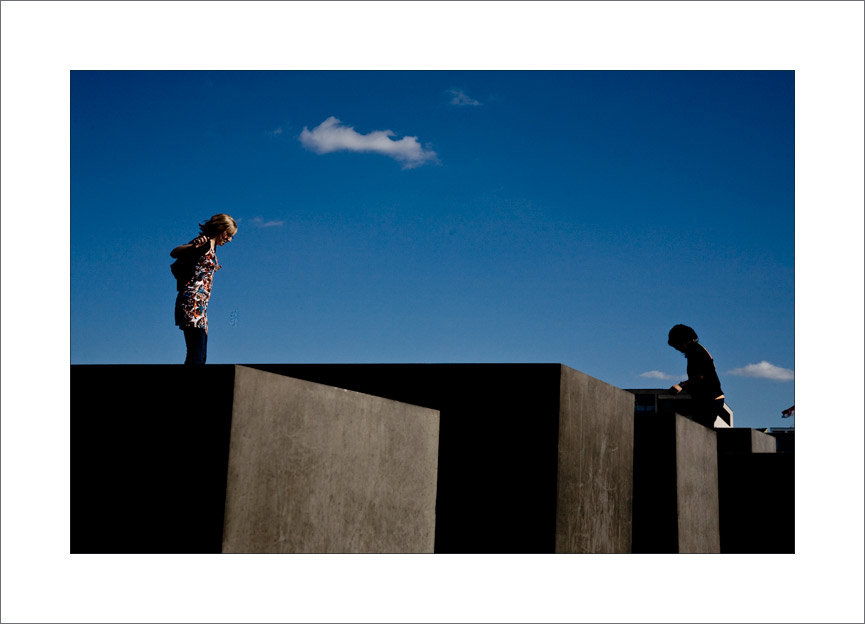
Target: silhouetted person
196 263
703 385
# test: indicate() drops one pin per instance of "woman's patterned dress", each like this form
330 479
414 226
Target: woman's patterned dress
190 309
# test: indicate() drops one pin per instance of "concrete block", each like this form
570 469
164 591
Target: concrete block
533 458
150 458
317 469
763 442
676 505
742 440
595 470
697 483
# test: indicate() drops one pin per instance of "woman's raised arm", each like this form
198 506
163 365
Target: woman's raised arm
182 249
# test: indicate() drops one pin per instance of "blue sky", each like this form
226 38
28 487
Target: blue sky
445 216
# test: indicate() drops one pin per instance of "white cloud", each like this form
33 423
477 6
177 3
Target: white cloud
261 223
276 132
656 375
332 136
461 99
764 370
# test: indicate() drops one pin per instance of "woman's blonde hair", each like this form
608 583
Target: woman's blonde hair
218 224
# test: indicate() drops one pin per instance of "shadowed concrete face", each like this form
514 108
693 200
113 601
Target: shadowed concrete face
149 450
318 469
757 495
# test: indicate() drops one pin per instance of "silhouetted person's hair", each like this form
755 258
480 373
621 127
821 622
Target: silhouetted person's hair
681 334
217 224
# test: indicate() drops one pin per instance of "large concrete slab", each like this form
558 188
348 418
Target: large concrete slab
317 469
697 483
150 459
151 443
676 505
533 458
595 473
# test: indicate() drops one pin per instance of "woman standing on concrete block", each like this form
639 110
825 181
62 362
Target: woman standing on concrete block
196 263
702 384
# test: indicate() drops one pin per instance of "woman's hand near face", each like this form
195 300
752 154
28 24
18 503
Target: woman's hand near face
199 241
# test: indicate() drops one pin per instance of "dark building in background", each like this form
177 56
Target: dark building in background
660 401
786 437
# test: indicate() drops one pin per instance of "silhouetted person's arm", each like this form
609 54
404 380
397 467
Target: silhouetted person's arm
183 249
682 386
